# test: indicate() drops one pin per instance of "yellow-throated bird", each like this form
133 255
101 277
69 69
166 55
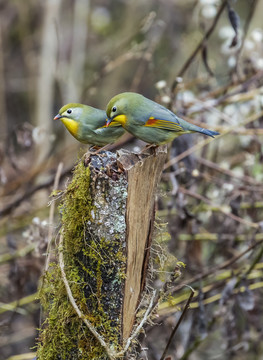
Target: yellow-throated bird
148 120
87 124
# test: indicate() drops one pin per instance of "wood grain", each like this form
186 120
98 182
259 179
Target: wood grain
143 173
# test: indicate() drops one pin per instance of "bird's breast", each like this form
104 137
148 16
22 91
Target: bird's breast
71 125
121 119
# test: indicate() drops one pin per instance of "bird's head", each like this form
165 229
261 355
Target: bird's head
119 107
70 115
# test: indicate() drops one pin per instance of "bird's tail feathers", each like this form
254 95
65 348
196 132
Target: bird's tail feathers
208 132
195 128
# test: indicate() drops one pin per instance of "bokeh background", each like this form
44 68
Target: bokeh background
204 60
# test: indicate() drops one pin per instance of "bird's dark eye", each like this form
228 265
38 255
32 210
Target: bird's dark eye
69 111
114 109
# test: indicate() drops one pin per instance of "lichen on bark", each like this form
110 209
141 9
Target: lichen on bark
93 226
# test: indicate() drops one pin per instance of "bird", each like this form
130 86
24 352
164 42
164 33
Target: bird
148 120
88 124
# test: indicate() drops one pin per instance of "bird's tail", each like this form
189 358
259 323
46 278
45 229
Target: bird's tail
194 128
207 132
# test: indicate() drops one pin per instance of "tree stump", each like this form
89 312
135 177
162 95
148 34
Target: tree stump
92 294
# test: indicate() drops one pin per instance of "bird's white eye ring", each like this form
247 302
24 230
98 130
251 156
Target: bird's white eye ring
69 111
114 109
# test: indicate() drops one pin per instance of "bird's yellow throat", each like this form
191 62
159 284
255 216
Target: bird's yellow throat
71 125
121 119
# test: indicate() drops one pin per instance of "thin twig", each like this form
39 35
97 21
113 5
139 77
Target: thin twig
178 324
112 354
51 216
210 101
91 328
206 236
6 210
251 267
4 258
222 210
201 43
212 271
3 100
45 83
205 142
139 327
252 9
228 172
17 304
199 47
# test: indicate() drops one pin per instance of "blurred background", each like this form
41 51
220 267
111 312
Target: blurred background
204 60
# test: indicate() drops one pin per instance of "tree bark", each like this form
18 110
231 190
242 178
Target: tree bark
107 214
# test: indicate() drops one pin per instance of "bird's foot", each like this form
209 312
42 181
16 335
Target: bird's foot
92 152
102 148
97 149
150 146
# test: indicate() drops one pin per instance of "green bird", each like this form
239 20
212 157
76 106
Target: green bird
148 120
88 125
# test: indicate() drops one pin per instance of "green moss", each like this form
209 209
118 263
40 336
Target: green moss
95 268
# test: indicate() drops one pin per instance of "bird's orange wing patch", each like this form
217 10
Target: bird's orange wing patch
112 124
163 124
151 121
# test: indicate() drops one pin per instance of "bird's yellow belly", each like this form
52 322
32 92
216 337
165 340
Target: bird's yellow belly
71 125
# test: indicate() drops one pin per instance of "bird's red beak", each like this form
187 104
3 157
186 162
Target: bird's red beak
108 121
57 117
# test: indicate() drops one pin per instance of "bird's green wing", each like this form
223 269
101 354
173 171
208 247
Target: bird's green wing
163 118
163 124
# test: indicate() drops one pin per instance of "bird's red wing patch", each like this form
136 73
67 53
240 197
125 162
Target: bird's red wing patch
150 122
112 124
163 124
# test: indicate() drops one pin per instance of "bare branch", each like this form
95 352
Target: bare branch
178 324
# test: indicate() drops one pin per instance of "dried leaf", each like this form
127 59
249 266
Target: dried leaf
235 22
202 316
234 41
246 298
235 205
228 291
204 57
233 18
